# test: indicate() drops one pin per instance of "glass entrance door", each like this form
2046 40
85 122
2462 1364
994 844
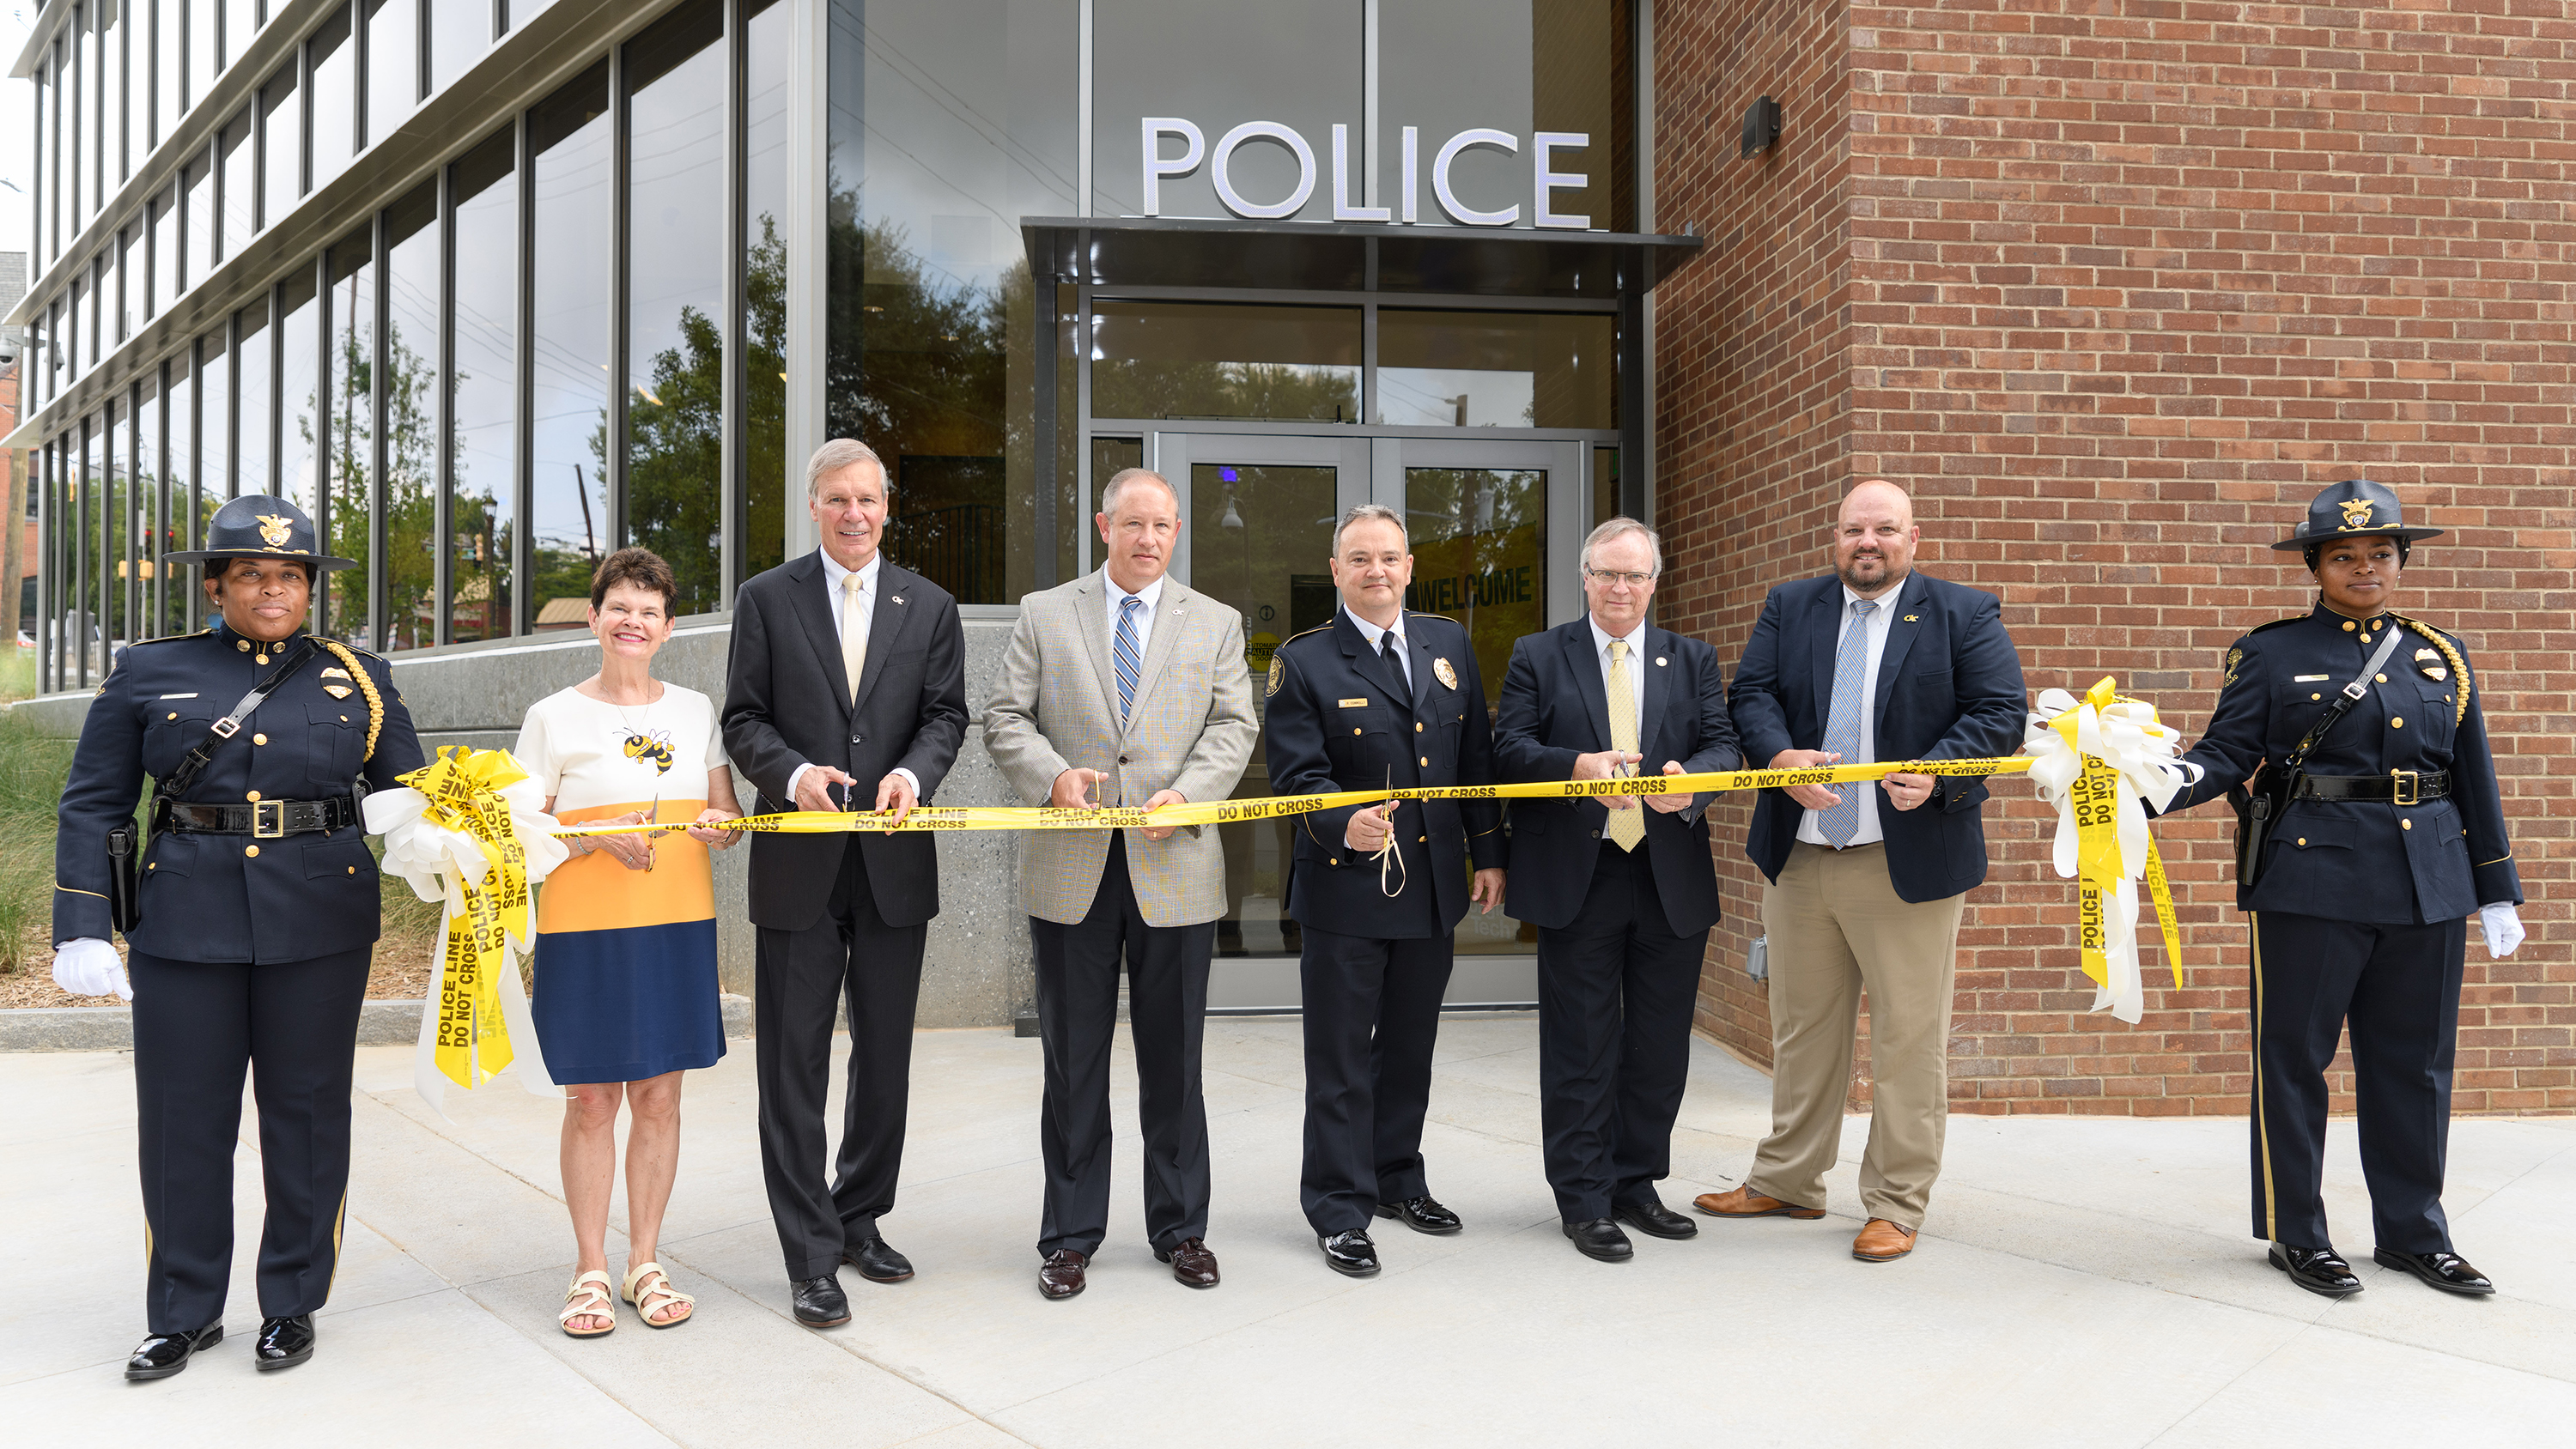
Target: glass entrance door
1495 525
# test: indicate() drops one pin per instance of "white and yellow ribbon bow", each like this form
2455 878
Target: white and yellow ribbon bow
2094 759
467 830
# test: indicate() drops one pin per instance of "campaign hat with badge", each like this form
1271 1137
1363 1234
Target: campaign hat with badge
260 526
2354 508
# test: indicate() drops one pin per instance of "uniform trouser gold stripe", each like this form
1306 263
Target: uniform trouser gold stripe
2262 1129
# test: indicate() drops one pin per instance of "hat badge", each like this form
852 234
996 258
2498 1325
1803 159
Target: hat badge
2356 513
274 530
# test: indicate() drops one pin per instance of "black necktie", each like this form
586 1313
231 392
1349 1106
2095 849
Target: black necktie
1391 649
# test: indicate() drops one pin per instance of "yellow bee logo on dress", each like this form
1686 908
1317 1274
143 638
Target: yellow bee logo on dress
654 745
2356 513
275 531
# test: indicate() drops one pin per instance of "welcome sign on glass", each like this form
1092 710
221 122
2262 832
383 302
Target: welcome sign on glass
1159 166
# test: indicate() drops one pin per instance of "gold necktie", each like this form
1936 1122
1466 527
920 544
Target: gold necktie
1627 827
854 630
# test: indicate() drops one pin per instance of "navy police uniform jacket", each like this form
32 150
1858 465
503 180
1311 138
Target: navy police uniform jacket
1332 723
230 897
2348 858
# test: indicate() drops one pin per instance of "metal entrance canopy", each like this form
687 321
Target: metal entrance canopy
1170 251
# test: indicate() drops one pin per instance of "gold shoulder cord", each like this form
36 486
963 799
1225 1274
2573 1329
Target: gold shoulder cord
367 687
2459 666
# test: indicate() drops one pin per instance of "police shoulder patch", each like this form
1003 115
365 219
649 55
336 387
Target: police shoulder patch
2235 662
1278 676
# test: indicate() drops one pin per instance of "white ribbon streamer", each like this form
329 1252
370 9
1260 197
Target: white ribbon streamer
2140 754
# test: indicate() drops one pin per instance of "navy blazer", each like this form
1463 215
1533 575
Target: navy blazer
1555 707
1331 725
1949 688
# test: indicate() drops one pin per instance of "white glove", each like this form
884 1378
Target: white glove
2503 926
89 967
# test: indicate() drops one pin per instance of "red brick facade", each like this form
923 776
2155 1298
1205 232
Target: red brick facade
2114 288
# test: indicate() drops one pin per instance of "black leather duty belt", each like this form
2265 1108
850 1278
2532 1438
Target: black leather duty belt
2399 787
265 819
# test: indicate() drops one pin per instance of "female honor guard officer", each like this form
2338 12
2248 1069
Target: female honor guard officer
257 913
2383 839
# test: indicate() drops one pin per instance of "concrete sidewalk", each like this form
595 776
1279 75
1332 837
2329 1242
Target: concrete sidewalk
2080 1283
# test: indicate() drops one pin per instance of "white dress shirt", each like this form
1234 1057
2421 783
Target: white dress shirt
1152 594
1403 646
839 607
1876 642
1636 641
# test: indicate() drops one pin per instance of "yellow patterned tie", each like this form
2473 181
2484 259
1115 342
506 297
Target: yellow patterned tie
854 630
1627 827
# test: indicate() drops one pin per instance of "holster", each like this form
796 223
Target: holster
2257 809
123 906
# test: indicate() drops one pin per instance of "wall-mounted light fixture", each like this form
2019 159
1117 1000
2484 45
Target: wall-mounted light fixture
1761 128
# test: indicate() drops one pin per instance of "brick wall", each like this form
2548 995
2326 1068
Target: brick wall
2114 288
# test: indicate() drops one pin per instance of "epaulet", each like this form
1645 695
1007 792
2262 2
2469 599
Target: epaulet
2277 623
1419 614
1302 633
171 638
2427 630
2459 662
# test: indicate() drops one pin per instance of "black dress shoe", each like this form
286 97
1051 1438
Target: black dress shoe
1423 1215
164 1354
284 1342
1193 1265
820 1303
1655 1220
1350 1254
1601 1240
2319 1270
2447 1271
877 1262
1061 1275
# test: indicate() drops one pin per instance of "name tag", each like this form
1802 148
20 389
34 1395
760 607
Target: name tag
2306 678
1354 704
191 694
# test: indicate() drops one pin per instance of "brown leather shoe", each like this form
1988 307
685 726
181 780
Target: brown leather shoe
1193 1266
1744 1202
1060 1276
1881 1241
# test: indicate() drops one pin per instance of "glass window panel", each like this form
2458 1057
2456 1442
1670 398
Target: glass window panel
198 219
948 124
1296 62
459 32
569 521
349 520
241 23
165 253
760 536
393 64
110 70
240 183
151 511
215 421
1605 487
299 363
282 143
482 391
675 365
1194 360
40 138
115 530
124 293
138 83
75 327
169 66
254 396
205 57
1479 556
411 282
333 56
1262 542
179 467
1457 63
1497 369
80 106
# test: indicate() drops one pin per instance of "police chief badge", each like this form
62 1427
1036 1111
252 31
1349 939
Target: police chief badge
275 531
1278 676
2435 669
2356 513
1448 676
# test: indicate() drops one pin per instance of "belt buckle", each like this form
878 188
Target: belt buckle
261 813
2406 787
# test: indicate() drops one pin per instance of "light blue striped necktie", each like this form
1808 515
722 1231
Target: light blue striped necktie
1131 660
1842 723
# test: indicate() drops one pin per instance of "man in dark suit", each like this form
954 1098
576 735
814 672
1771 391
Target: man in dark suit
848 670
1380 695
1621 888
1871 662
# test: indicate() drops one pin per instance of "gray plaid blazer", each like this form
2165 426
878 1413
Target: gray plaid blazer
1055 707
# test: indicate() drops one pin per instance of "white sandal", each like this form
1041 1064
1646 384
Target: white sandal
646 1304
588 1298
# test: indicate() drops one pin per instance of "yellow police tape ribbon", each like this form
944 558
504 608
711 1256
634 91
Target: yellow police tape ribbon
1229 812
2101 867
463 788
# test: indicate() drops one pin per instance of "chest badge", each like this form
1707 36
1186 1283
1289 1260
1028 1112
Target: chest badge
2435 672
1447 675
337 691
335 672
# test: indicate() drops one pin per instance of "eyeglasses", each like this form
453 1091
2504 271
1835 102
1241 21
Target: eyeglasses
1608 577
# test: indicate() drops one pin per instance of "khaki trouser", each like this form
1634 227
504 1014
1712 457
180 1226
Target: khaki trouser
1837 928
